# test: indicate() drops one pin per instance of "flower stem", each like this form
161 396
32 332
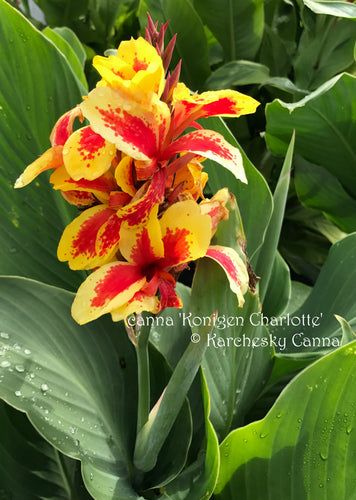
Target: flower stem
143 368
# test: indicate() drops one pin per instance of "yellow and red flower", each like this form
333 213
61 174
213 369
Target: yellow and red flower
153 255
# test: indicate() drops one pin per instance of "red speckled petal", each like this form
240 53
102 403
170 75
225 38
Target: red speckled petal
136 127
210 145
105 290
64 127
78 241
87 155
169 297
234 268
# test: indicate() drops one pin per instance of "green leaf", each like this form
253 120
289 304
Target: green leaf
238 26
103 14
332 8
264 262
235 370
198 480
279 288
65 48
236 73
62 12
78 386
33 95
332 294
317 188
30 467
255 216
191 45
305 446
324 51
73 41
325 125
348 334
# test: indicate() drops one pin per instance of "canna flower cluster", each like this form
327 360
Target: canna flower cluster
138 177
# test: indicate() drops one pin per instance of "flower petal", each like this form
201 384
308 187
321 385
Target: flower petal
139 303
137 65
136 127
79 198
142 244
52 158
234 268
105 290
64 126
78 242
189 107
87 155
211 145
186 234
102 186
169 297
123 175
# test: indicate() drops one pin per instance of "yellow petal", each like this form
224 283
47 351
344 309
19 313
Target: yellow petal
138 304
123 176
186 233
87 155
52 158
105 290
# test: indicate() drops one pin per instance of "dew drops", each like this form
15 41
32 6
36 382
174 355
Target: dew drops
28 107
279 415
27 352
18 393
77 442
263 435
323 456
4 335
91 476
44 387
5 364
20 368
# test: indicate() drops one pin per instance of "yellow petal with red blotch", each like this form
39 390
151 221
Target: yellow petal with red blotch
192 179
211 145
87 155
64 126
142 244
136 127
105 290
186 233
169 297
52 158
102 186
123 175
79 198
78 242
216 208
234 267
190 107
139 303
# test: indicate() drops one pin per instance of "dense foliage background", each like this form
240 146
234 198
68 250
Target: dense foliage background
237 435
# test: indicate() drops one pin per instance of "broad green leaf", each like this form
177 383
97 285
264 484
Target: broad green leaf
30 467
333 293
305 446
324 51
73 41
332 8
191 45
33 95
286 85
65 48
238 26
78 386
263 264
237 361
236 73
317 188
255 215
198 480
299 294
325 125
